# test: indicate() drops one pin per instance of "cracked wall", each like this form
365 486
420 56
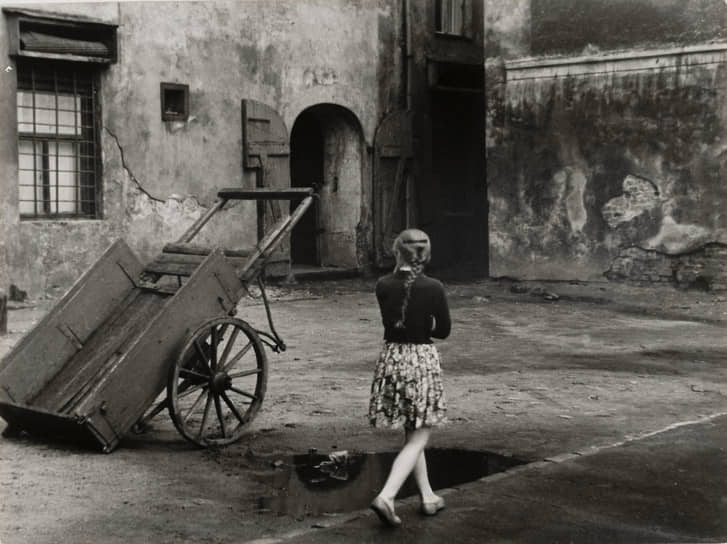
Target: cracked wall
158 177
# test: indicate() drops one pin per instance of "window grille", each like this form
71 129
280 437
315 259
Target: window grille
450 17
57 141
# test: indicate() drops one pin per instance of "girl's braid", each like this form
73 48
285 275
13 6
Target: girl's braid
416 268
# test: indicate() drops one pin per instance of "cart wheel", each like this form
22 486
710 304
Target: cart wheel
218 382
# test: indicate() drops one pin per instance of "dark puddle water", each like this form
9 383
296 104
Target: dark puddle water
315 484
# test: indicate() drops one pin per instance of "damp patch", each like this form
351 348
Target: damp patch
315 484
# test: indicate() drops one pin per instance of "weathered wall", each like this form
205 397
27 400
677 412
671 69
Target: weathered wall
507 28
612 163
570 27
341 193
160 176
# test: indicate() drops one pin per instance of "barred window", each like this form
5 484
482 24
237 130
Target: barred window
58 140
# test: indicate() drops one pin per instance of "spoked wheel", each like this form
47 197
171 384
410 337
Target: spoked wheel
218 382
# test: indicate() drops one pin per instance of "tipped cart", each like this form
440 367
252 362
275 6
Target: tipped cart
96 364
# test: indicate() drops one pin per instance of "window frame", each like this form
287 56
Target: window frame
52 69
164 89
440 31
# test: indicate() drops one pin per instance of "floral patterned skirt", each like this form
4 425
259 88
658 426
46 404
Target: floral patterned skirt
407 387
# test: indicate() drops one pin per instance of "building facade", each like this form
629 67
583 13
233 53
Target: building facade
606 140
535 139
124 119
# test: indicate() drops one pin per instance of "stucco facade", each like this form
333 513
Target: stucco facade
606 140
335 68
158 176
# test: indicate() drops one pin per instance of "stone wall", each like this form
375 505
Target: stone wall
704 268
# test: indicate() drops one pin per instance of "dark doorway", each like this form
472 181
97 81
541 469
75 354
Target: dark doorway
306 169
458 165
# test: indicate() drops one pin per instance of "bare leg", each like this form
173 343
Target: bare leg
422 479
408 458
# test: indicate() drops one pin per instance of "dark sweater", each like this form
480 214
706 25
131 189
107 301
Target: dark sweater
427 301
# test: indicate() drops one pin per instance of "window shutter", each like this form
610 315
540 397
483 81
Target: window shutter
48 43
36 34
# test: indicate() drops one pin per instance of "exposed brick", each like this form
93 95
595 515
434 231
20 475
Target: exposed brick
704 268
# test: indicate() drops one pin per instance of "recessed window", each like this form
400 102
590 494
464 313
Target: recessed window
36 34
451 17
58 151
175 101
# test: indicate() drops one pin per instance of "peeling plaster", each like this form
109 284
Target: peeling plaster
319 76
639 196
676 238
575 207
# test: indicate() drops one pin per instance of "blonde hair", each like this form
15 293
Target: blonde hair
412 250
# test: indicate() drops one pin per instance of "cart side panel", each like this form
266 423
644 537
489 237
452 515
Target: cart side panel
43 352
131 385
49 424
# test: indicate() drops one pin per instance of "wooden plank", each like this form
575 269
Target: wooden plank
267 245
180 264
191 249
192 231
134 381
45 349
263 193
107 343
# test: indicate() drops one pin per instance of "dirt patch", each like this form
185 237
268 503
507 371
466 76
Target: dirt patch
524 376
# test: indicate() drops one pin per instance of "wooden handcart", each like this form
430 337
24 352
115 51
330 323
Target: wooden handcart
94 366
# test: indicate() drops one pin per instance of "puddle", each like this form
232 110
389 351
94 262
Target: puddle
315 484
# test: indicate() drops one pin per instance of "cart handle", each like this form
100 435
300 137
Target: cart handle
277 344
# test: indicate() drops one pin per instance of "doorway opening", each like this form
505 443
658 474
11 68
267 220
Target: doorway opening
327 152
306 170
458 165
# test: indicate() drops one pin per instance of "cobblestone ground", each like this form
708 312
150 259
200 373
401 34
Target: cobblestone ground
526 373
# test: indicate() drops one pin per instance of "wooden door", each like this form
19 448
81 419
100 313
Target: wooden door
403 190
266 151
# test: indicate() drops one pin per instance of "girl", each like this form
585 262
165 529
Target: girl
407 387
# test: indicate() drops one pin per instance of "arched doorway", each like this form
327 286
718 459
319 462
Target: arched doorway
306 169
326 150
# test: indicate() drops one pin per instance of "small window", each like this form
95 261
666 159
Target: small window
58 151
175 102
451 17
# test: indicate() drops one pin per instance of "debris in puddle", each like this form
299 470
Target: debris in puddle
336 466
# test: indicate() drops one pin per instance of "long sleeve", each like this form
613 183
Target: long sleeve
427 302
440 311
